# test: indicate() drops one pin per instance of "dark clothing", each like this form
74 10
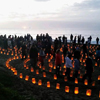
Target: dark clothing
33 56
68 73
58 59
84 50
65 49
58 69
89 64
24 50
58 63
89 69
33 53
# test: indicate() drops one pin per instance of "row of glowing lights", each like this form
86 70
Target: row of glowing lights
51 65
44 74
76 90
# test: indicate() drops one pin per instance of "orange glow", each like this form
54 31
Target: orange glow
50 64
32 70
60 68
40 82
40 66
13 69
37 71
67 89
99 77
76 91
57 86
93 84
81 76
64 66
96 64
85 64
24 65
54 67
43 67
76 81
50 69
71 58
63 74
65 78
55 77
83 60
15 73
48 60
44 74
48 84
21 76
27 67
99 94
27 77
79 72
85 82
88 92
71 74
33 81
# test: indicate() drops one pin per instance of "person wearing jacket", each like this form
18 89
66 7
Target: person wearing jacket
58 61
33 55
68 63
76 63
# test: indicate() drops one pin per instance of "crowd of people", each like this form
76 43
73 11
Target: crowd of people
43 45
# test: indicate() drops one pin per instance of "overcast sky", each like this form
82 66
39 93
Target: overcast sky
35 14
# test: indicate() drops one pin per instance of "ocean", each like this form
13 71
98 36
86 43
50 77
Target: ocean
54 33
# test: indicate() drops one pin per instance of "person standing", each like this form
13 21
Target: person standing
98 55
33 55
76 62
68 63
41 56
89 68
58 61
24 51
71 38
65 49
97 40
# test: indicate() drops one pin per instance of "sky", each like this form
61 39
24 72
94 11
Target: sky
50 14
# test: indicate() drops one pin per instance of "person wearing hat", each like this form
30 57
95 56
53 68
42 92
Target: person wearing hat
68 63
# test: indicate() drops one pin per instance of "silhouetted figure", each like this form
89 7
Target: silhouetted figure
33 55
59 41
83 40
24 51
55 46
84 50
74 40
90 39
71 38
89 68
97 40
63 38
65 49
78 39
